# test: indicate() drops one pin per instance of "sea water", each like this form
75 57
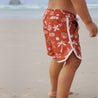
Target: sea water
34 9
21 11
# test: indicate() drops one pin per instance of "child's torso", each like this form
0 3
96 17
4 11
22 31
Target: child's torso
61 4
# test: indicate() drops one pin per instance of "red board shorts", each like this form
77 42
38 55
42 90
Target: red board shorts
61 34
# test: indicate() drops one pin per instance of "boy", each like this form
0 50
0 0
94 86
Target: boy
62 40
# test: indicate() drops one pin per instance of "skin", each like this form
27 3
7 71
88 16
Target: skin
61 77
76 7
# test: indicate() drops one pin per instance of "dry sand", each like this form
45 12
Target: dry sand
24 63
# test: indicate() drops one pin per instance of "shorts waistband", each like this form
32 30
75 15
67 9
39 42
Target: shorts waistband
63 10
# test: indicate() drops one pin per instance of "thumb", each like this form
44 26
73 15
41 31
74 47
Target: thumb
91 34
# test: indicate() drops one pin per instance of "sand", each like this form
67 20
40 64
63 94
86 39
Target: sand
24 64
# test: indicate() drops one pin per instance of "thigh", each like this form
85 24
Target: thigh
73 61
54 62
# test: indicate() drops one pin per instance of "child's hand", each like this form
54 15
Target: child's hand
92 28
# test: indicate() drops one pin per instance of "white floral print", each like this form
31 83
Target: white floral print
57 38
58 55
49 27
58 34
54 17
61 43
51 34
64 35
56 27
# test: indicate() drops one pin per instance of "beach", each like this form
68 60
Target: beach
24 64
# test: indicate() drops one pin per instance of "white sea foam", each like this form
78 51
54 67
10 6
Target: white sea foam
33 11
92 6
7 7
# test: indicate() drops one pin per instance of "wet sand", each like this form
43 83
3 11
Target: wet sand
24 64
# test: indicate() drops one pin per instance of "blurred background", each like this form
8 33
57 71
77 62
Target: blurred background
24 64
34 8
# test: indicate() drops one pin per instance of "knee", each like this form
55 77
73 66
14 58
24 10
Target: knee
74 63
77 64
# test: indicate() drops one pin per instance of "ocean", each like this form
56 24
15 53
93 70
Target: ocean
35 8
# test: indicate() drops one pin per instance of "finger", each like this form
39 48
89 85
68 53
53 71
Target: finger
90 34
93 34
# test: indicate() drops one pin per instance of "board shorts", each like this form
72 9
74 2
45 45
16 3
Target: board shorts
61 34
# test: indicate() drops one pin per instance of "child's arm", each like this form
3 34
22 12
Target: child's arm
82 10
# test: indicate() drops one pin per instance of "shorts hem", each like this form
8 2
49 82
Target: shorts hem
51 56
60 61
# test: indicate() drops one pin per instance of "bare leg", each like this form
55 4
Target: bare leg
54 72
66 76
